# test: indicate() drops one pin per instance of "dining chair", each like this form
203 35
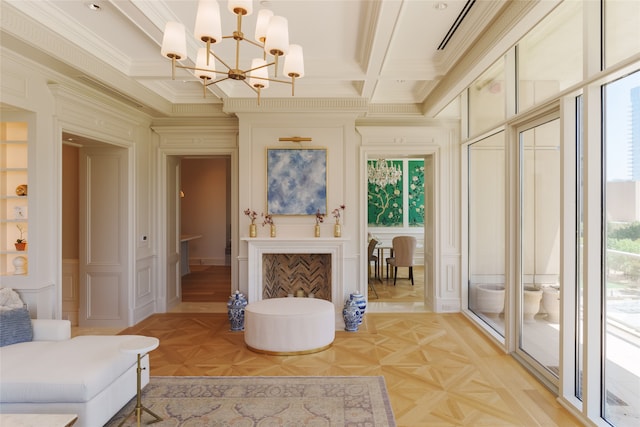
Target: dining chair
372 258
403 249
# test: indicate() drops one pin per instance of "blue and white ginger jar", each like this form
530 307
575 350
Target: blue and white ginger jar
235 309
361 301
351 315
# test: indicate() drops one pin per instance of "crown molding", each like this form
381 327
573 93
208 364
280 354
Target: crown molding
199 110
293 105
407 110
35 42
42 14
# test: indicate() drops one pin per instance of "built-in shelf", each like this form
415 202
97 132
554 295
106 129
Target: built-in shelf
14 173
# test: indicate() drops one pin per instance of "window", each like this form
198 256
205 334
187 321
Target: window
487 99
621 270
550 56
622 30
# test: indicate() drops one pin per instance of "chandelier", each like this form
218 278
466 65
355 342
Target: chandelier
271 35
383 173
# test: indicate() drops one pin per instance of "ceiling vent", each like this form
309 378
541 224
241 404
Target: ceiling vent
463 13
109 91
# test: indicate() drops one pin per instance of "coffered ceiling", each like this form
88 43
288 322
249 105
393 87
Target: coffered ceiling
385 53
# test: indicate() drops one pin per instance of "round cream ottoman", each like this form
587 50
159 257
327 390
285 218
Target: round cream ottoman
286 326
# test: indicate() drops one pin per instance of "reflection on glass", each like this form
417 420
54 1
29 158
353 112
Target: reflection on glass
550 56
621 30
540 281
621 290
487 99
487 230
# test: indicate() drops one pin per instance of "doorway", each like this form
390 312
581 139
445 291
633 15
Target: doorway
95 253
404 207
205 228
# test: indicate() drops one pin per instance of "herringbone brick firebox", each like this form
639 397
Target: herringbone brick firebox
285 274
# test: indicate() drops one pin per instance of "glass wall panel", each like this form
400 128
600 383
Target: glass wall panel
550 56
487 99
579 295
486 287
621 30
539 292
621 287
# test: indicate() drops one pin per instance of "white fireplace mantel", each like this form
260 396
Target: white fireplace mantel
258 246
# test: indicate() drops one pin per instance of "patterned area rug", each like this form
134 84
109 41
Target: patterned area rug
264 401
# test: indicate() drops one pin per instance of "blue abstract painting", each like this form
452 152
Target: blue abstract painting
296 181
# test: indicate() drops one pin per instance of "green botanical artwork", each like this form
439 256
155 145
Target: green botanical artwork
416 193
385 203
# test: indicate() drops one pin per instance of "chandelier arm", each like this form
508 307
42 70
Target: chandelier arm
257 68
251 87
218 81
260 45
221 61
273 80
187 67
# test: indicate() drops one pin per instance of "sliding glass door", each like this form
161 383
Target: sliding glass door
487 230
538 289
621 252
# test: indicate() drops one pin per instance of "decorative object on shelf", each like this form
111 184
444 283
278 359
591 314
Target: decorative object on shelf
351 315
21 243
252 227
235 310
21 190
268 219
271 35
383 173
337 229
19 265
300 293
296 181
319 220
361 301
20 212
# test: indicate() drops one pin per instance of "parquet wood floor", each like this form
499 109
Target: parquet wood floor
402 291
207 283
439 370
